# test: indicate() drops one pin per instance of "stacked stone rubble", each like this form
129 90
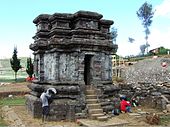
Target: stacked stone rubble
151 95
148 70
147 79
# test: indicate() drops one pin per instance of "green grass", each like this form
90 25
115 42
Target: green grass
2 122
19 80
12 101
165 120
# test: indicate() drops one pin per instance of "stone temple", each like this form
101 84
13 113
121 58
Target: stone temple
72 52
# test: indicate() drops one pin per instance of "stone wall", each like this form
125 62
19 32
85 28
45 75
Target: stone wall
149 95
50 65
70 66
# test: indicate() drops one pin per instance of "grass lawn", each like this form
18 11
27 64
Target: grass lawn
7 80
12 101
165 120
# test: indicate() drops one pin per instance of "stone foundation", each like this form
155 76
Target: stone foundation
33 106
60 109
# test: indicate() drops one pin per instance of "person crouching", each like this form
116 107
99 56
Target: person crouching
125 105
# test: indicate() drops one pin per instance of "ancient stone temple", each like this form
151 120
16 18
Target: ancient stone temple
71 52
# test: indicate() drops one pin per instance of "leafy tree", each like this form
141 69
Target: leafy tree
163 51
30 67
145 14
131 40
15 63
143 48
114 34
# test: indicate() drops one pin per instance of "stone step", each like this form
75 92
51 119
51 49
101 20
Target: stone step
91 97
89 87
91 101
95 116
90 92
102 118
94 106
95 111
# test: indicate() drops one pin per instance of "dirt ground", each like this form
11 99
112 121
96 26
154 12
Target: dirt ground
7 87
27 119
131 119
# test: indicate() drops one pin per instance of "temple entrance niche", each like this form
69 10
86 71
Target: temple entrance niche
88 69
71 51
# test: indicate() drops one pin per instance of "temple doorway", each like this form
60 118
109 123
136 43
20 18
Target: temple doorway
87 69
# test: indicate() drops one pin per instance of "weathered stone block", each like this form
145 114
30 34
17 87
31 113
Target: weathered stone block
168 107
33 106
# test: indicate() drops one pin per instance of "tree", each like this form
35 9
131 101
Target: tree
15 63
143 48
131 40
30 67
145 14
114 34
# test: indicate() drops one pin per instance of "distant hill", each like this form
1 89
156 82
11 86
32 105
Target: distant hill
6 71
5 63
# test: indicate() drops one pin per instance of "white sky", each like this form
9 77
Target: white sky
160 34
17 27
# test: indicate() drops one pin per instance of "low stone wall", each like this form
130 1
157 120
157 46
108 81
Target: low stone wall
151 95
154 95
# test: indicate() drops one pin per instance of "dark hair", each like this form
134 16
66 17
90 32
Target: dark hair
52 92
123 98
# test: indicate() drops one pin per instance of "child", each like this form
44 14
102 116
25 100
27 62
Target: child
125 105
135 102
46 99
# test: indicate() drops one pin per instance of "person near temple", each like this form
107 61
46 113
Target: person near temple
46 99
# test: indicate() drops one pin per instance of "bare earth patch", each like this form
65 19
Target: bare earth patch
14 89
29 121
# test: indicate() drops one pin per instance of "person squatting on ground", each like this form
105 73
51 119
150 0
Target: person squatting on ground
135 102
125 105
46 100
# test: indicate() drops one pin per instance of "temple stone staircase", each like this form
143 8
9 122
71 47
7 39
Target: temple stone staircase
94 108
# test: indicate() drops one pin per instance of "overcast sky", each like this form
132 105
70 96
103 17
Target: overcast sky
17 28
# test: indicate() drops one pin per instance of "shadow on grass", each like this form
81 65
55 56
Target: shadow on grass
19 80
